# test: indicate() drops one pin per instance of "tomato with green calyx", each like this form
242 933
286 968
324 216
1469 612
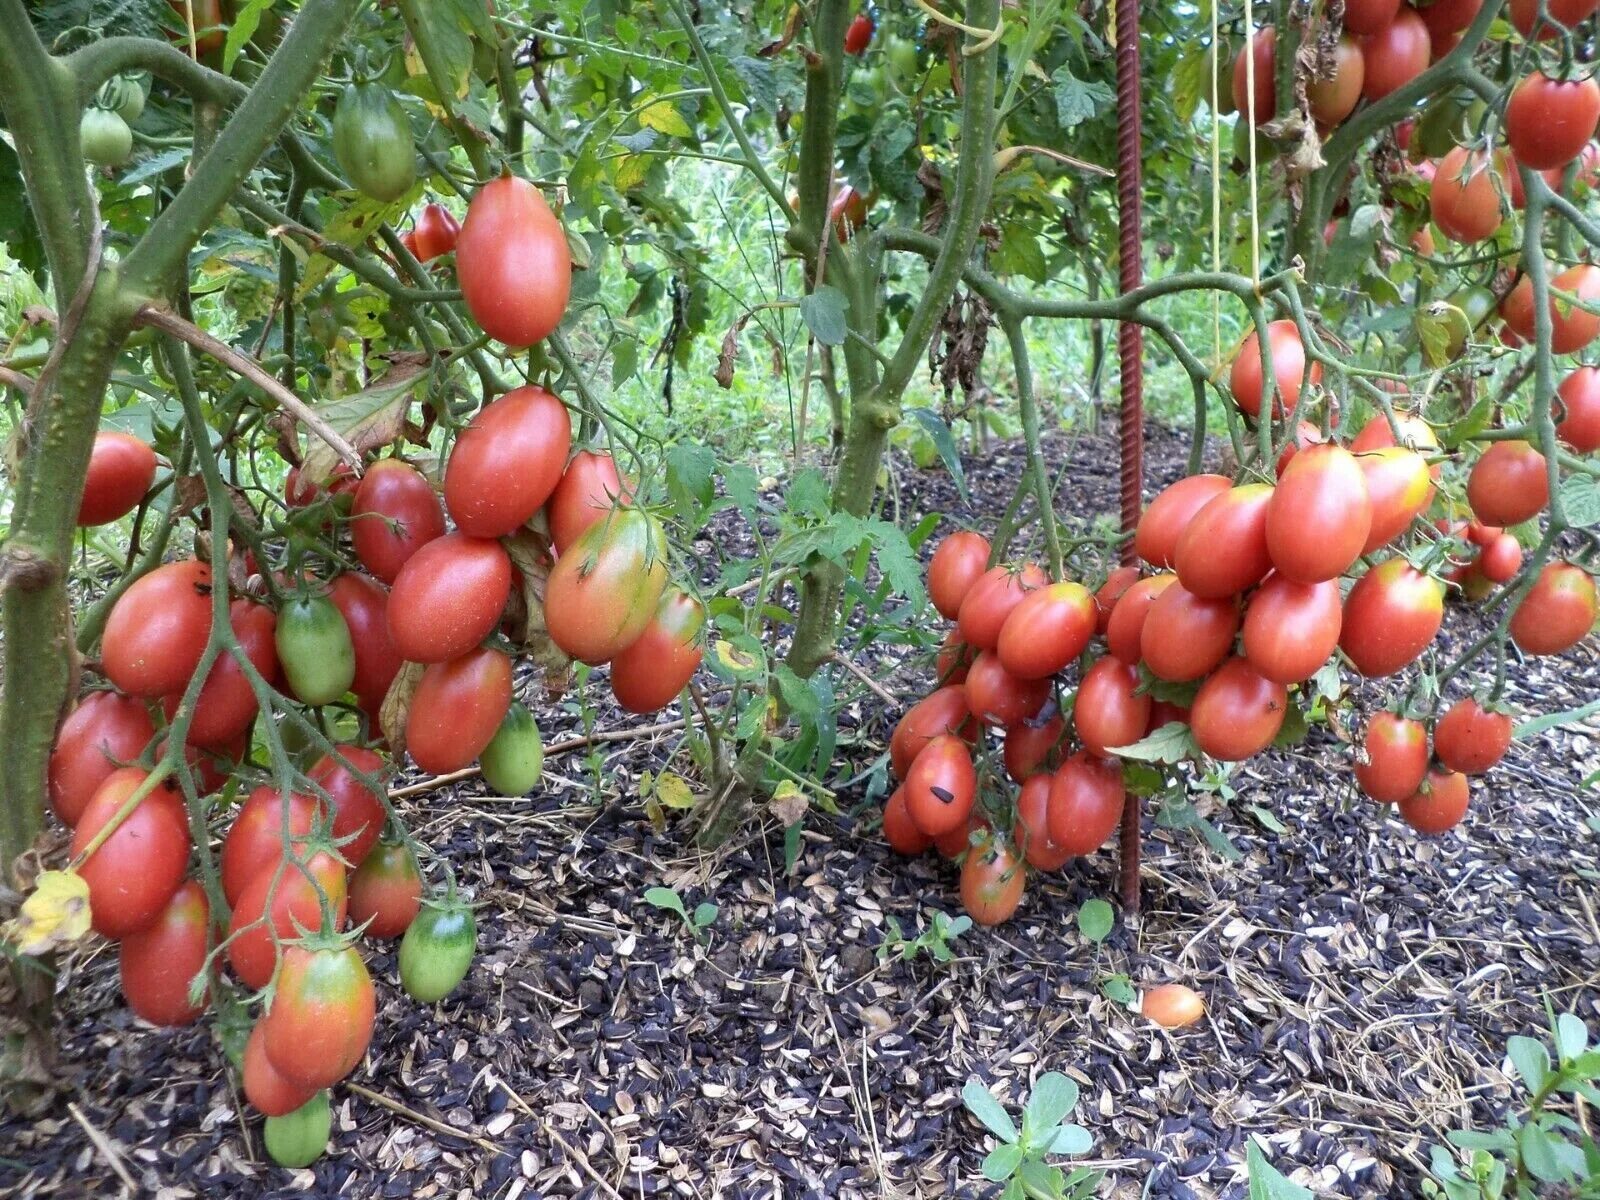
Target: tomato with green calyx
386 891
1291 629
107 729
358 811
655 668
297 1139
1399 488
957 564
603 592
996 697
123 95
314 647
436 953
158 630
990 600
265 822
899 830
435 233
1415 434
1223 550
1319 516
457 708
1045 632
1111 711
1031 831
364 605
1571 327
1393 757
1237 711
507 462
513 263
137 869
1390 617
105 138
589 488
227 703
448 597
941 785
1557 612
296 895
1185 636
157 964
1549 121
513 761
393 514
372 141
264 1086
1509 484
1439 804
320 1021
940 712
1035 745
1125 630
1289 367
1465 196
992 881
121 470
1470 738
1086 800
1156 538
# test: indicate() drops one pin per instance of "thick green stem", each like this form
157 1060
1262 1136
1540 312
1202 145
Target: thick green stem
1029 408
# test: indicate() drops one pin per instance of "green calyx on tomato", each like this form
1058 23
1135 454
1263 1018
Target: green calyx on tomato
437 950
513 761
314 647
372 141
298 1139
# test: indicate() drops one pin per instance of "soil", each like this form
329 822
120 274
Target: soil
1360 982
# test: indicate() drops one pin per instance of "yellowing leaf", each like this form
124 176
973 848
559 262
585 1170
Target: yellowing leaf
663 117
631 171
789 803
56 913
367 418
673 791
735 660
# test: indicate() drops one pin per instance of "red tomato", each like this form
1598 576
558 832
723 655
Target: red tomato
158 630
1470 738
1319 516
941 786
959 840
364 605
1105 599
506 462
1557 612
1396 55
513 263
1501 559
1034 745
1125 630
996 697
1464 197
1164 713
295 900
847 212
457 707
1393 758
899 830
105 730
1288 366
941 712
1237 712
1332 100
589 488
1291 629
1224 549
136 870
602 593
1438 805
1478 533
448 597
954 660
299 494
394 514
1571 328
227 704
1306 434
1184 636
1259 104
435 233
255 842
989 601
957 564
1416 433
264 1086
1110 710
992 880
1370 16
1525 13
1169 513
1399 488
121 470
1047 630
858 35
1549 121
1390 617
1509 484
156 964
1447 18
386 891
320 1021
650 673
1032 829
1579 426
358 813
1086 800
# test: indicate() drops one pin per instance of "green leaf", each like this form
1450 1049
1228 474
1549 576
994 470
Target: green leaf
245 23
1531 1060
1071 1139
1002 1162
704 913
1054 1096
760 82
1550 720
981 1104
1095 919
689 468
1572 1036
1077 100
149 168
1327 684
1172 743
824 313
1268 819
664 897
1266 1183
1294 728
1119 990
945 443
1580 497
1540 1154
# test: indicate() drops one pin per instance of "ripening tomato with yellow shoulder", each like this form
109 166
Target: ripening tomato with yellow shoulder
1391 616
603 592
1047 630
650 672
1399 489
1319 515
992 881
1156 538
990 599
1557 613
1288 368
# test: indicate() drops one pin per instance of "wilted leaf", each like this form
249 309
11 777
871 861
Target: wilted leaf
789 804
673 791
368 418
55 913
530 553
397 707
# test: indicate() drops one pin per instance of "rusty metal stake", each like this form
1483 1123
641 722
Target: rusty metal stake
1130 344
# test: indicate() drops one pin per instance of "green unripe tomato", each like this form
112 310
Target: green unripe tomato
314 646
298 1139
105 137
513 760
372 141
436 952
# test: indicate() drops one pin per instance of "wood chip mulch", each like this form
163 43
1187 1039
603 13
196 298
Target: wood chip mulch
1361 984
